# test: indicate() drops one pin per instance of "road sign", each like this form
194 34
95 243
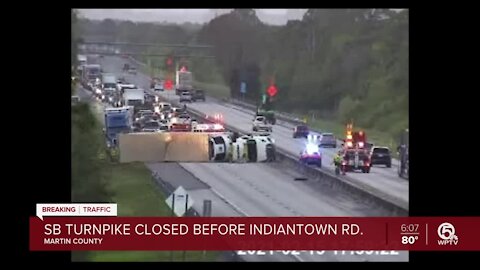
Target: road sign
168 85
272 90
243 87
179 201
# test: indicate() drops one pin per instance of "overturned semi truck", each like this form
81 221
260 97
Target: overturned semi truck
248 148
195 147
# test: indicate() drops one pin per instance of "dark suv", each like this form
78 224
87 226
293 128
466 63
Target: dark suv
300 131
327 139
198 95
381 156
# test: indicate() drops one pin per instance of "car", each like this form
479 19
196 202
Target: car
177 110
163 127
327 139
311 155
260 124
381 155
198 95
185 97
151 126
300 131
163 121
149 98
164 106
158 87
184 117
143 115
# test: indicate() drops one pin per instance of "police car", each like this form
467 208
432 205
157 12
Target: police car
311 155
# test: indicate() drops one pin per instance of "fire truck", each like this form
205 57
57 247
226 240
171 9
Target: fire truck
356 151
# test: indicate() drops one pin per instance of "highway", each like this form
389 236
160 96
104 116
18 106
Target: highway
257 189
380 180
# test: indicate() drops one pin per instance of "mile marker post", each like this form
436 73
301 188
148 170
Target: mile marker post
207 210
173 214
186 209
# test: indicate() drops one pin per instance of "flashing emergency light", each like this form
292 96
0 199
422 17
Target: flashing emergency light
312 148
349 137
360 144
218 127
349 144
218 117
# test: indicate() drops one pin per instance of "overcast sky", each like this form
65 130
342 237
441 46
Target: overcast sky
270 16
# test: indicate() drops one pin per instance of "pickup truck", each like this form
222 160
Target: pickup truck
260 124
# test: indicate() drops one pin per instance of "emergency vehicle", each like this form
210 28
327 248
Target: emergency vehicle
215 118
209 128
356 151
311 155
180 127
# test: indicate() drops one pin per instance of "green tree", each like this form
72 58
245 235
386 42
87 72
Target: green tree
87 157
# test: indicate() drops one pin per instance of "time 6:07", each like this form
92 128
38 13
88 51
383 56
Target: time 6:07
409 227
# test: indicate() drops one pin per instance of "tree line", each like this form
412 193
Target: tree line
344 64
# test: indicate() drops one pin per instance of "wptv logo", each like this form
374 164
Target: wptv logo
446 231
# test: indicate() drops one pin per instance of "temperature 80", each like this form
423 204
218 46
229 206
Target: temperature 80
409 239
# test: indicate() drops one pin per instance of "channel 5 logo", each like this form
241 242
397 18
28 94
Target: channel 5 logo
446 232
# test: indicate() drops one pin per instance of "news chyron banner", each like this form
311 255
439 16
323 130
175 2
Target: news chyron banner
97 227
